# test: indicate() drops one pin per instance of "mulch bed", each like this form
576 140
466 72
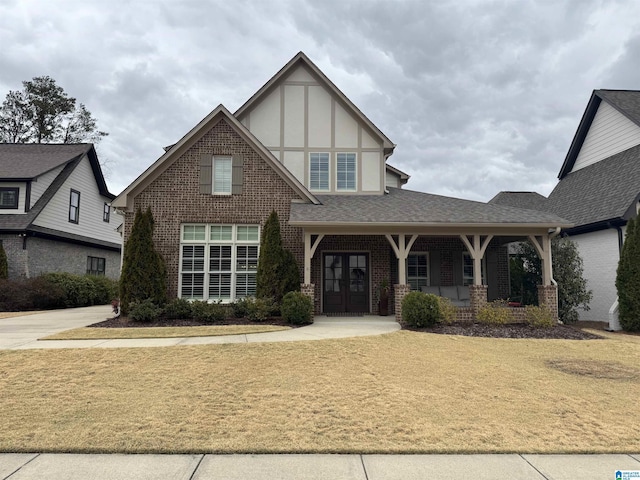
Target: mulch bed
124 322
565 332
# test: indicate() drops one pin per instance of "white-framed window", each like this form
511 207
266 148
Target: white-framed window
319 171
74 206
9 197
418 270
222 171
467 269
106 212
346 168
218 262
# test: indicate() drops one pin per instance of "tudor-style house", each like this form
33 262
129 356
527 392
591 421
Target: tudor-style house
55 211
300 147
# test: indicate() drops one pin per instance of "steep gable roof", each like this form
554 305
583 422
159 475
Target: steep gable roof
404 177
627 102
601 192
302 59
125 199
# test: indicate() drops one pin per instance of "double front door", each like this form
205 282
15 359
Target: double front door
345 282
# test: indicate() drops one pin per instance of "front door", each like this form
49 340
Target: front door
345 282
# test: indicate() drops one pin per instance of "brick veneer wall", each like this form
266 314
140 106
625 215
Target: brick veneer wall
548 295
174 198
309 289
399 293
17 258
477 297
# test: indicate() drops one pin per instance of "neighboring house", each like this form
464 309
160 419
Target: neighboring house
598 192
300 147
55 211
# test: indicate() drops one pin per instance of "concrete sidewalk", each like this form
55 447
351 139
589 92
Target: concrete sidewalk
22 333
314 467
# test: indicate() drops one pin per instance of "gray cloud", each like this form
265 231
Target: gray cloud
480 96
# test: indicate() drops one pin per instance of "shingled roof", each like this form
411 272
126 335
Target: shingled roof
605 191
24 161
530 200
409 207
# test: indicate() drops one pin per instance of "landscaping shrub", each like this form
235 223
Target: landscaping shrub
260 309
539 317
241 307
178 308
628 278
30 294
448 310
495 313
79 290
421 309
207 312
144 274
297 308
290 273
145 311
106 289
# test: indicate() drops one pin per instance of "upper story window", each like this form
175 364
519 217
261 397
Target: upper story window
346 171
74 206
106 212
319 171
9 197
222 167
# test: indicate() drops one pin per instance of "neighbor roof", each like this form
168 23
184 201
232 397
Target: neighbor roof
600 192
531 200
408 207
25 161
627 102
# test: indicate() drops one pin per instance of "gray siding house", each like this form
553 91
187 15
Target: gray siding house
55 211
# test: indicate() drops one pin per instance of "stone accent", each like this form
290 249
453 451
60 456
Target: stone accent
477 297
548 295
309 289
399 293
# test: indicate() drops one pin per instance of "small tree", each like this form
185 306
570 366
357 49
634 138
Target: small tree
628 279
567 271
278 271
144 275
4 266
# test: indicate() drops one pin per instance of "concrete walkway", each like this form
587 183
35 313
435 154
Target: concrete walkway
314 467
22 333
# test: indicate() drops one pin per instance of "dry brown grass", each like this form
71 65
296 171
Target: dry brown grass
16 314
402 392
87 333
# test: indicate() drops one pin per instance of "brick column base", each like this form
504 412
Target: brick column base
548 296
399 293
477 298
309 289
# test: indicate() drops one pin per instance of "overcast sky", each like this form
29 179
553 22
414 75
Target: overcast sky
479 96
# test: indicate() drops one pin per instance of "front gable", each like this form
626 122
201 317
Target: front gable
300 113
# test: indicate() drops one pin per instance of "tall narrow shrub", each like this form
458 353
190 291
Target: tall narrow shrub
268 278
4 265
628 279
144 275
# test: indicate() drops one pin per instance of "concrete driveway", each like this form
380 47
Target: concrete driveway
22 333
23 330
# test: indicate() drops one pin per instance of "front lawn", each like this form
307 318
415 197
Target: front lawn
405 392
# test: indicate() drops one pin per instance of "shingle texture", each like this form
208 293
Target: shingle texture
28 160
530 200
598 192
406 206
627 101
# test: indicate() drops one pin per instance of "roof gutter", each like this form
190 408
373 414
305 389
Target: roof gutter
553 235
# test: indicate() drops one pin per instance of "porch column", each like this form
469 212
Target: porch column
477 251
310 246
401 249
548 291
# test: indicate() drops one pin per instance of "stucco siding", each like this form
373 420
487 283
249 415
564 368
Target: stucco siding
599 252
56 214
610 133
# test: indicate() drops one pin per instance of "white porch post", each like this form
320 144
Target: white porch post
309 251
543 247
401 249
477 251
